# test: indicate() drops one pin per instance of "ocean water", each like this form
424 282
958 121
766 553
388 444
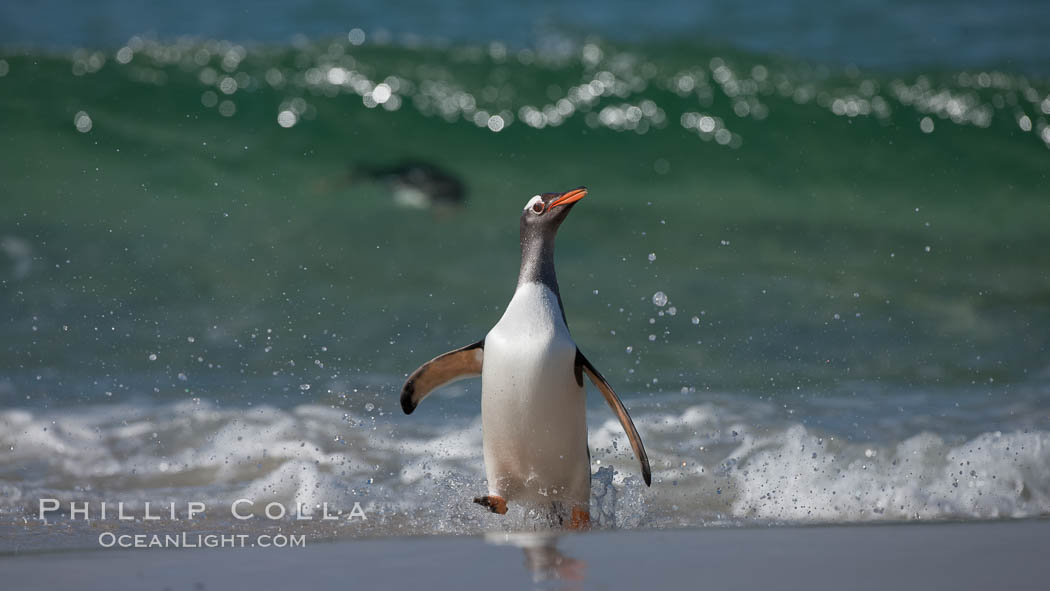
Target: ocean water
822 287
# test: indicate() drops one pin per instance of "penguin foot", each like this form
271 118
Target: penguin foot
581 519
494 503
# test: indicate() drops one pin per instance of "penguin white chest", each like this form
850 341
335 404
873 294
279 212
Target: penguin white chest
533 409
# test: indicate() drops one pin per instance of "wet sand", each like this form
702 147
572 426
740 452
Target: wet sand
1005 554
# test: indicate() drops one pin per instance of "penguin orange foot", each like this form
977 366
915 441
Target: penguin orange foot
494 503
581 519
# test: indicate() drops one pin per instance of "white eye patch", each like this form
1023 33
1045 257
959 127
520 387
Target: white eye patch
533 201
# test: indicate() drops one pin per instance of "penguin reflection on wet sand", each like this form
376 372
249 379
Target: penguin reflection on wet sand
533 407
542 557
415 184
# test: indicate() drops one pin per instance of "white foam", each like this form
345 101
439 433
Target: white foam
711 462
798 476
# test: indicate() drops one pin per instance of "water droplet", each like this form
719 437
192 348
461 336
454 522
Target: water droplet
652 256
287 118
83 122
304 387
659 298
152 356
696 320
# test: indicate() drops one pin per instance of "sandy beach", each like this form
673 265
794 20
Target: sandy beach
1005 554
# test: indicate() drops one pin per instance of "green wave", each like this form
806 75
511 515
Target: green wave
177 217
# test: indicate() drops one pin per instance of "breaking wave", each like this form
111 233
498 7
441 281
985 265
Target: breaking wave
714 463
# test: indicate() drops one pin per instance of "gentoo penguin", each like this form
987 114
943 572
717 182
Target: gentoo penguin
415 184
533 409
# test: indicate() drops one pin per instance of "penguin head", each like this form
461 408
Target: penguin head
544 213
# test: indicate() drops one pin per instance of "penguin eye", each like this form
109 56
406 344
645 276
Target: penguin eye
537 207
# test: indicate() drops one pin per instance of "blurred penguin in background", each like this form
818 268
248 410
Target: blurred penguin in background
414 184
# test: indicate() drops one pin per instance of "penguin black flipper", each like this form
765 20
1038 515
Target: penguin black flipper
443 369
582 364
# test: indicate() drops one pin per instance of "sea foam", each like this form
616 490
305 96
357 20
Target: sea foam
712 463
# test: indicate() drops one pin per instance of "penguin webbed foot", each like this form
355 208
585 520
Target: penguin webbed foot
581 519
494 503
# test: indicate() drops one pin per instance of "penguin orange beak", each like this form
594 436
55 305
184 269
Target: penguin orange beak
570 197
